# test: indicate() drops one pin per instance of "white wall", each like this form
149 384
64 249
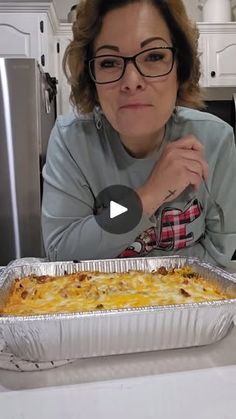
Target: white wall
192 9
195 13
63 7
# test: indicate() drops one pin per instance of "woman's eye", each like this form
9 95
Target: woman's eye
154 57
109 63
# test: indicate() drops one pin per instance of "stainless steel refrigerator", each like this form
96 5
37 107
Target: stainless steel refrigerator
27 115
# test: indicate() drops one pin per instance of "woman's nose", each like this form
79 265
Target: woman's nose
132 79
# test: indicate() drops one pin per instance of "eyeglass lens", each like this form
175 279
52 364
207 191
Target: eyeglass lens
154 62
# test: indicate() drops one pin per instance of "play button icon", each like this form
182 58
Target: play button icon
118 209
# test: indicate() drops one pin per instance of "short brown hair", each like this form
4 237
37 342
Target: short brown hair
90 14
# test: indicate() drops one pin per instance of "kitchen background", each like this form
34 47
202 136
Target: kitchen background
33 88
62 7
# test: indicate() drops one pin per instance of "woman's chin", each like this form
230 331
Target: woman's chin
137 124
135 130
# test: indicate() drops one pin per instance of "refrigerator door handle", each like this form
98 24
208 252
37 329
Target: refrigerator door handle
47 101
234 100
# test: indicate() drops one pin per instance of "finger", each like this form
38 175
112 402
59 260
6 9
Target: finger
196 163
189 142
194 167
191 157
204 167
195 180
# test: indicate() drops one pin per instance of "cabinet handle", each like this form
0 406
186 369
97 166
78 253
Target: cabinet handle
41 26
213 74
43 60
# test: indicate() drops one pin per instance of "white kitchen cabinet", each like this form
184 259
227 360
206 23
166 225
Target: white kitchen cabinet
202 57
63 38
28 32
20 35
217 48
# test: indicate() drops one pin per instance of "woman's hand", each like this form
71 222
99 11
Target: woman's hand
181 164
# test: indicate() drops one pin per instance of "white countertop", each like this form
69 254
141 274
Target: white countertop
196 383
197 395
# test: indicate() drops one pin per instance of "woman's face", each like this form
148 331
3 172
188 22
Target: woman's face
136 106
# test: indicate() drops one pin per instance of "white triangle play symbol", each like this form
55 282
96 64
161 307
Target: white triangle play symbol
116 209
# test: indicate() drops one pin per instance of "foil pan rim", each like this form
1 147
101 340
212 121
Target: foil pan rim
37 262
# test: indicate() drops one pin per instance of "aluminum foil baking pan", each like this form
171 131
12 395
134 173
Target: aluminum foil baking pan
79 335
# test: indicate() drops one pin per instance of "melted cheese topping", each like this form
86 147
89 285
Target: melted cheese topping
89 291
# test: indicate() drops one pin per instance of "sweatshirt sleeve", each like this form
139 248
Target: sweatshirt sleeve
70 230
220 233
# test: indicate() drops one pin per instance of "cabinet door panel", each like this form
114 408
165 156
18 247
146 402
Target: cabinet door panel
14 42
222 63
226 65
63 86
19 35
202 46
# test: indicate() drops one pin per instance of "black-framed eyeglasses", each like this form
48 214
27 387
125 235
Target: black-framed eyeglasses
153 62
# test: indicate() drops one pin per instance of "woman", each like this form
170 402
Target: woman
134 72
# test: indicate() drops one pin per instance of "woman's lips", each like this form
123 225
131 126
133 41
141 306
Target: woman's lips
135 106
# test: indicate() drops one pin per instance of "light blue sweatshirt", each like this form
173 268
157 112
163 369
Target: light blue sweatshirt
85 155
